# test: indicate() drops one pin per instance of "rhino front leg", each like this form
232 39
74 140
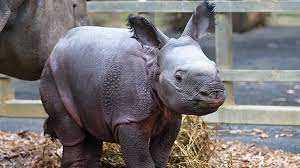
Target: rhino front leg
161 144
134 146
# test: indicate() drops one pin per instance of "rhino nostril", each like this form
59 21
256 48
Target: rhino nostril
213 95
205 94
216 94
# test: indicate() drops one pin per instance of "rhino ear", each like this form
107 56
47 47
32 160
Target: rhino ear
201 20
146 33
4 13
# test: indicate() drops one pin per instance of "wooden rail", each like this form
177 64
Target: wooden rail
188 6
260 75
230 112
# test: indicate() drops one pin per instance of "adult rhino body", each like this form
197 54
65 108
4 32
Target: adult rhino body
100 84
29 29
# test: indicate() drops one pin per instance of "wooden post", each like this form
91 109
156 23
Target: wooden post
223 33
6 90
224 50
6 93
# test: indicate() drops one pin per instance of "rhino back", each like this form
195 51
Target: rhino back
102 74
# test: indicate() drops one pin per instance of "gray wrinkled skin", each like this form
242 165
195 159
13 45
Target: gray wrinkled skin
129 87
29 29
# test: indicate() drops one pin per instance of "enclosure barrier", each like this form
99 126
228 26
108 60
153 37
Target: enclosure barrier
229 112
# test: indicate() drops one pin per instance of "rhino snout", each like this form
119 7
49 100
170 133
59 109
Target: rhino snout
213 95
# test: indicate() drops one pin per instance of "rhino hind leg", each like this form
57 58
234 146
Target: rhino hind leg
61 124
86 154
93 151
48 130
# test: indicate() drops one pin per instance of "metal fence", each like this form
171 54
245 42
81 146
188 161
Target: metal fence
229 112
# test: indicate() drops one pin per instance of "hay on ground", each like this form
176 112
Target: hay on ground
193 149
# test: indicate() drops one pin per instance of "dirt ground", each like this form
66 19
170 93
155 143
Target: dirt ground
30 150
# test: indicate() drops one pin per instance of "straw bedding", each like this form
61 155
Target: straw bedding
192 149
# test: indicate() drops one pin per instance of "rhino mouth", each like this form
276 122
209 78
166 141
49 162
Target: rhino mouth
208 104
200 108
202 111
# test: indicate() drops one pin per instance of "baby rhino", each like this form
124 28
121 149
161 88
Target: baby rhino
129 87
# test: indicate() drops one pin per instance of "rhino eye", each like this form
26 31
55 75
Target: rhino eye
178 76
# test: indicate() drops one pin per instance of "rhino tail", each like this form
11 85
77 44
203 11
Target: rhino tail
48 130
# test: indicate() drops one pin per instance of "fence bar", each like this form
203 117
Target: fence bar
255 114
238 114
260 75
22 109
188 6
150 16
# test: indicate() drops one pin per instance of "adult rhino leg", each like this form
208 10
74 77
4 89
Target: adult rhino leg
134 146
61 124
161 144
